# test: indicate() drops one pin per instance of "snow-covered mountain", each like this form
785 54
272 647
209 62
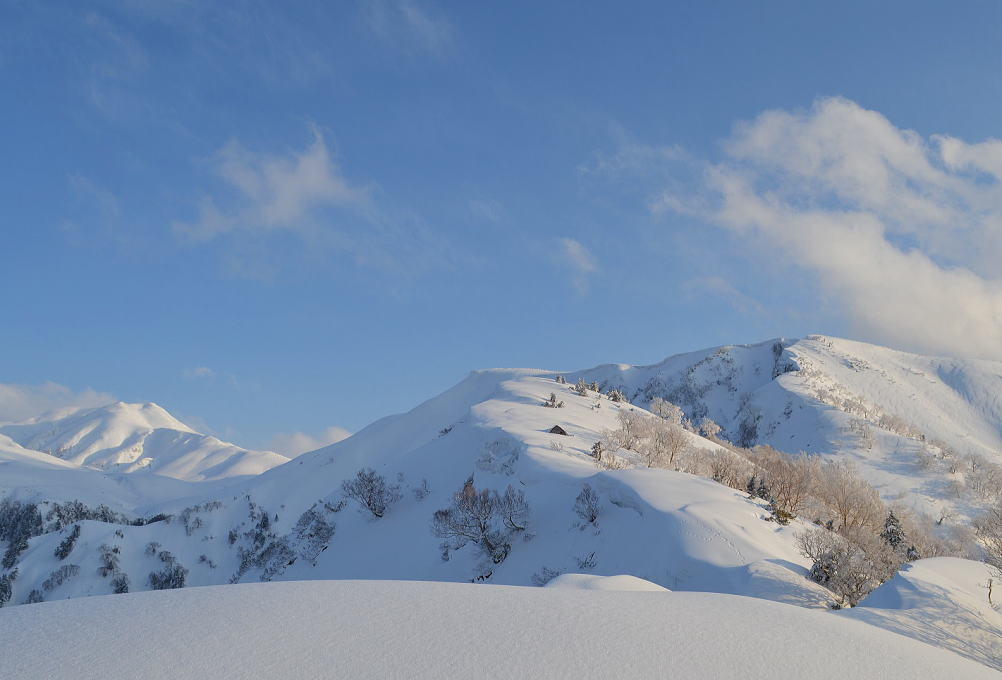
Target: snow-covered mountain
492 437
130 438
911 423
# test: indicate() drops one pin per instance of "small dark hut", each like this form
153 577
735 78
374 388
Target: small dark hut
556 429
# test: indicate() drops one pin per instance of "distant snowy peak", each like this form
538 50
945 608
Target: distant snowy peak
124 437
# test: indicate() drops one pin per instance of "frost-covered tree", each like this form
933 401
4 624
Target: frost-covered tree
60 576
667 411
65 547
839 566
617 396
484 517
892 533
552 401
581 387
708 428
587 505
372 491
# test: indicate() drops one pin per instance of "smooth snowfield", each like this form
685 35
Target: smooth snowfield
387 629
942 601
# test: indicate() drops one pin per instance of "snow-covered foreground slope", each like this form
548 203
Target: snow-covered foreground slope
941 601
130 438
891 412
369 629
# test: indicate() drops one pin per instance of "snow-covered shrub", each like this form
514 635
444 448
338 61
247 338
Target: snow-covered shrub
109 560
581 387
552 402
120 584
34 597
486 518
587 505
372 491
617 396
65 547
60 576
312 532
544 576
172 575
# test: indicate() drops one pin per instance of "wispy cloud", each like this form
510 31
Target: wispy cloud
20 402
272 192
579 261
404 25
903 232
293 444
199 373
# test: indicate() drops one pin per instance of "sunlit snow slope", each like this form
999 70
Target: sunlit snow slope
366 629
128 438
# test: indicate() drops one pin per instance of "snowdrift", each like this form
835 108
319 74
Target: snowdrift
368 629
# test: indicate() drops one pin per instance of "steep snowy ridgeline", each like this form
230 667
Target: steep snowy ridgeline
908 421
942 601
372 629
294 522
137 437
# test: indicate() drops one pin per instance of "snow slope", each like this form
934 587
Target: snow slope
882 408
128 438
942 601
370 629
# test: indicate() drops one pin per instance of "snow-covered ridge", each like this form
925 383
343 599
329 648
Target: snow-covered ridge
129 438
909 422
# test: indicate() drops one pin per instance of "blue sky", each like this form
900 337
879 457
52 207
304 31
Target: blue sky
278 218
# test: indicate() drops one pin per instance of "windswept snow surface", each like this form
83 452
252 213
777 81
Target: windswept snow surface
129 438
371 629
942 601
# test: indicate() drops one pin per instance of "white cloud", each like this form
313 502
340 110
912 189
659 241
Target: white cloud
580 262
903 232
20 402
296 443
199 372
404 25
272 192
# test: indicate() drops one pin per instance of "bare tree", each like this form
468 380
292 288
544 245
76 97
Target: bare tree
852 501
372 491
483 517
